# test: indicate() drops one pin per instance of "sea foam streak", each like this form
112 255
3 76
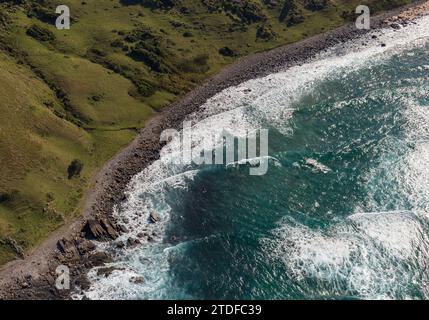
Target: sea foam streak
326 255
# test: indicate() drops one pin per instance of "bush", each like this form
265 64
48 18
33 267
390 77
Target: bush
153 4
8 198
246 11
288 7
295 19
40 33
265 33
148 58
315 5
226 51
13 1
117 44
198 64
291 14
75 168
144 88
4 19
46 15
4 197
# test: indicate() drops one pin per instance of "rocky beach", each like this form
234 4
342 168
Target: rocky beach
34 277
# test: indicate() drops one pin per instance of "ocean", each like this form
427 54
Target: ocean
342 212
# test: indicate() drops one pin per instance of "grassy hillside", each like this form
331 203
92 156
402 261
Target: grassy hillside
84 93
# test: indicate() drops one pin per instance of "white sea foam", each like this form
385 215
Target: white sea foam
410 172
376 255
317 166
253 162
355 253
370 255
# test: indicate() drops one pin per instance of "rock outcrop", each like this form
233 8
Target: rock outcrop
101 230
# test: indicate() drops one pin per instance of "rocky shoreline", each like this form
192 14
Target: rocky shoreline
72 245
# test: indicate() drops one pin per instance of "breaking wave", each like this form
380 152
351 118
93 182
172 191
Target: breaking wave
349 133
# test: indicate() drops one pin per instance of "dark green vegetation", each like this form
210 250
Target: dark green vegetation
70 99
75 168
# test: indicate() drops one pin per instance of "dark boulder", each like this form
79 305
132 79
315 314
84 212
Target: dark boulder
154 217
137 280
105 272
132 243
102 230
99 259
68 249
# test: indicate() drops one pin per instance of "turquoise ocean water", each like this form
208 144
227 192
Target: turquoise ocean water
343 214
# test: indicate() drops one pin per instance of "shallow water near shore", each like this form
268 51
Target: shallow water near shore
342 214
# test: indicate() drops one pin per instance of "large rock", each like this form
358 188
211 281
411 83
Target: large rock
99 259
102 230
85 247
110 228
105 272
68 249
154 217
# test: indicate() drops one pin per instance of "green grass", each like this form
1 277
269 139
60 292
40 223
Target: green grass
79 97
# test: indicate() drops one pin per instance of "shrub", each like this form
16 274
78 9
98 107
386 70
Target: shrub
226 51
40 33
288 7
75 168
197 64
246 11
13 1
46 15
144 88
9 198
150 59
153 4
295 19
315 5
265 33
4 19
5 197
118 44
